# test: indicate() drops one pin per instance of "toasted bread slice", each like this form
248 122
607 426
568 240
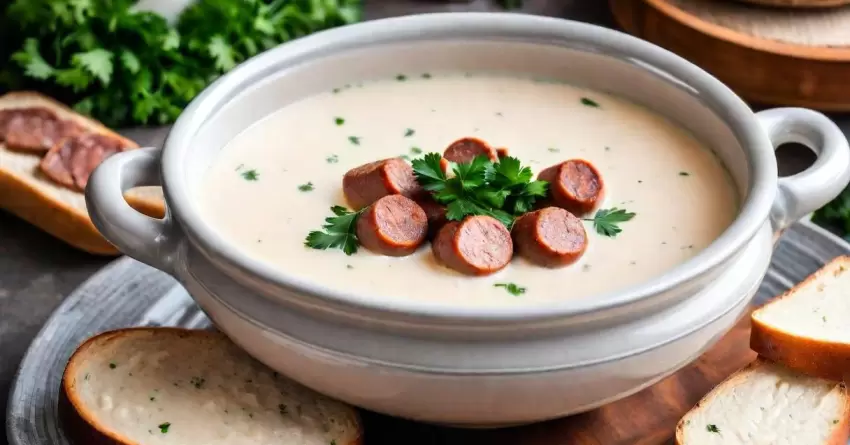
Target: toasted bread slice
808 328
175 386
769 404
60 211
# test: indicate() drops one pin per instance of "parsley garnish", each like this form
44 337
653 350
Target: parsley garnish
512 288
112 366
553 149
354 140
684 174
607 221
250 175
339 231
308 187
332 159
339 120
502 189
163 427
409 132
426 75
401 78
416 150
589 102
712 428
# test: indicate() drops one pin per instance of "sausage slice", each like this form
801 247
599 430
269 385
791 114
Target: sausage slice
367 183
478 245
393 225
574 185
502 152
550 237
71 161
36 129
465 150
434 211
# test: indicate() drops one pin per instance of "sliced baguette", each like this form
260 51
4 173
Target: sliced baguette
808 328
768 404
59 211
173 386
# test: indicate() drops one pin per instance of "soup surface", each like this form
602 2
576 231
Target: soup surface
275 182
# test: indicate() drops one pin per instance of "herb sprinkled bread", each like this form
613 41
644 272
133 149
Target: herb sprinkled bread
768 404
26 192
808 328
176 387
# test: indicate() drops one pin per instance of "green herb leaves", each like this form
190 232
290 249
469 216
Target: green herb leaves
340 231
606 222
163 427
512 288
500 189
126 66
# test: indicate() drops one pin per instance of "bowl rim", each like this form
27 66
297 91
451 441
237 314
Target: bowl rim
466 26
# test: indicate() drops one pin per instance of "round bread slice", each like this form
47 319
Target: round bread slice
808 327
767 403
173 386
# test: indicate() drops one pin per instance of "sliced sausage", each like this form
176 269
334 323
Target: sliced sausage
71 161
574 185
367 183
550 237
478 245
465 150
434 211
36 129
502 152
393 225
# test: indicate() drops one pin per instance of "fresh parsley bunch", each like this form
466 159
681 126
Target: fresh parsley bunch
126 67
502 190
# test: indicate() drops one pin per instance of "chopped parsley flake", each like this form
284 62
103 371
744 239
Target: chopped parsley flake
112 366
401 78
163 427
416 150
250 175
426 75
306 187
589 102
153 399
512 288
336 90
354 140
409 132
332 159
712 428
684 174
339 120
554 150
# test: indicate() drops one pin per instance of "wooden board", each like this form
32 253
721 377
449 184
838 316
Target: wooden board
646 418
770 71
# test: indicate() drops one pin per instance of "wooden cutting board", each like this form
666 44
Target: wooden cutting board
646 418
769 56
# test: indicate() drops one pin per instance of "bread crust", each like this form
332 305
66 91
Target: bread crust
840 432
27 194
814 357
80 424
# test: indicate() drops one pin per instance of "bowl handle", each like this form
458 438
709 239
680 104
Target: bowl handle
149 240
811 189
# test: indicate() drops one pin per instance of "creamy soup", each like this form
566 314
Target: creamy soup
275 182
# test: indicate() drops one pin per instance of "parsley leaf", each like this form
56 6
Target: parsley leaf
512 288
481 187
607 221
339 231
97 62
30 58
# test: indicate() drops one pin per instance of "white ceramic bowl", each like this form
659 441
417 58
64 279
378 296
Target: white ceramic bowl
472 366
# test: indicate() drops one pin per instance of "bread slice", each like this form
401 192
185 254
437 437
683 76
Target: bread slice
59 211
808 327
175 387
768 404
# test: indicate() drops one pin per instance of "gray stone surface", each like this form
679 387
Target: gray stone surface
37 271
